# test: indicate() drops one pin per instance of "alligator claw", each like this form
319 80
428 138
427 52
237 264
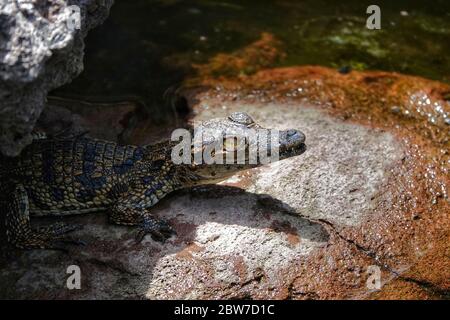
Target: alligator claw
159 230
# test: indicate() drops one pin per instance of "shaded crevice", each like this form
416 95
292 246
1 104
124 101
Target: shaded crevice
425 285
293 295
367 252
429 287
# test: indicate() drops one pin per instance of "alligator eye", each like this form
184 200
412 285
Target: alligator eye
241 118
234 143
230 144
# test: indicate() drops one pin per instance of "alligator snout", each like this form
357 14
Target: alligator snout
291 138
296 135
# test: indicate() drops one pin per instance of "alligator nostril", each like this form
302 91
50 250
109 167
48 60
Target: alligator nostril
295 135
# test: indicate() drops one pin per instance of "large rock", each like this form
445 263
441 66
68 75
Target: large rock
369 192
40 49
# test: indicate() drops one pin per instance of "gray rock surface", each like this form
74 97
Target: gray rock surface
40 49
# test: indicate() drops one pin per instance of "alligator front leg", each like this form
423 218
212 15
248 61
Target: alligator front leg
135 215
19 231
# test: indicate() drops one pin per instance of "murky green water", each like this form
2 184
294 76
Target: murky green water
146 46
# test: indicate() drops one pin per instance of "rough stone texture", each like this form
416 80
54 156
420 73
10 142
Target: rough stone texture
305 228
407 231
39 51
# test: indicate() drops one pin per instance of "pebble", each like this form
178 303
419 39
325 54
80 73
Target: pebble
395 109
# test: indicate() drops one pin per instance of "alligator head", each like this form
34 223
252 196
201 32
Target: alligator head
222 147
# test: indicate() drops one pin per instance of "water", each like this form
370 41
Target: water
147 46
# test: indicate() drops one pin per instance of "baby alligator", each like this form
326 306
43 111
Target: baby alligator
65 176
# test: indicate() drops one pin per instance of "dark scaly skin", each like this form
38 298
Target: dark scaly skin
76 176
81 175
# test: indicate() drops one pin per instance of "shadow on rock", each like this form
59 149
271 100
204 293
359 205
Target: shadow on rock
223 234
